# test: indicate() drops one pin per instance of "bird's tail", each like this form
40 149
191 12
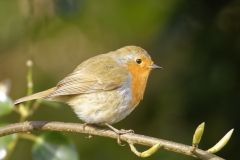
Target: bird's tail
35 96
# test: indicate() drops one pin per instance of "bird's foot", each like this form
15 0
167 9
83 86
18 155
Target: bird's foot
84 125
119 132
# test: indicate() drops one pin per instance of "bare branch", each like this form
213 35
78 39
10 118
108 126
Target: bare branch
131 138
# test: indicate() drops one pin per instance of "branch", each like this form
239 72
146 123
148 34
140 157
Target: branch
131 138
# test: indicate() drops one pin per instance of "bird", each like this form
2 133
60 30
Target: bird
104 89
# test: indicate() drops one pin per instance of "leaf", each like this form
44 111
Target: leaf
54 146
6 105
198 134
217 147
4 142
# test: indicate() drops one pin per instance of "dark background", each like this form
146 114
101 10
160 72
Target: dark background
196 42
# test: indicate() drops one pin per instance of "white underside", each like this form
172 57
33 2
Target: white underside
103 107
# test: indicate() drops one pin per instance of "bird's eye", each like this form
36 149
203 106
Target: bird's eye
139 61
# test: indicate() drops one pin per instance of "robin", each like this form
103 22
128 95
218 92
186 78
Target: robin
104 89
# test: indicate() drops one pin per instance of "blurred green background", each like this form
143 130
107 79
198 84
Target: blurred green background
196 42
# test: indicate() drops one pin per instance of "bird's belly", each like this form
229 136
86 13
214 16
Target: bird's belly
102 107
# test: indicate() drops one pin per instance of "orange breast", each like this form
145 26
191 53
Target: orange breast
139 80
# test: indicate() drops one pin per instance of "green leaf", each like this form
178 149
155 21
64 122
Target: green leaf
54 146
6 105
4 142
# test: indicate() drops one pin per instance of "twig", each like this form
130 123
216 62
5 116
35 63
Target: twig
131 138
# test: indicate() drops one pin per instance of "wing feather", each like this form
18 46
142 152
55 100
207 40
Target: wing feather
94 75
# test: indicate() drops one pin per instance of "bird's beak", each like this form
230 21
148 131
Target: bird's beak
154 66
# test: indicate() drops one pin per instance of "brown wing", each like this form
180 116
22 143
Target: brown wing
96 74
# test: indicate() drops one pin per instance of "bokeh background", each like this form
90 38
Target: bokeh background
196 42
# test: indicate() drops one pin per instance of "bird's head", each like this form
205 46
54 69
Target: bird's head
136 59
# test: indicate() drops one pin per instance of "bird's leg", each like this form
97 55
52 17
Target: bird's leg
119 132
84 125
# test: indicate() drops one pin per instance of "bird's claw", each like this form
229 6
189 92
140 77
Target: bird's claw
84 126
119 133
119 141
89 136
